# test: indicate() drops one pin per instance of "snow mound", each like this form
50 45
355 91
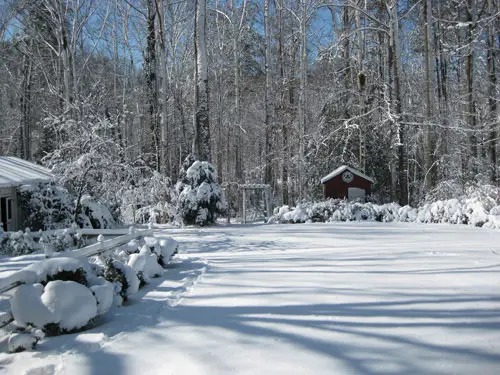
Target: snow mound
131 247
123 275
73 306
168 248
145 264
104 295
60 268
27 307
19 342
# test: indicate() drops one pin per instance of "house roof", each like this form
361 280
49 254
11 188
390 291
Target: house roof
343 168
15 172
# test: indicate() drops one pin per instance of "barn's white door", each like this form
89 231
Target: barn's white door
356 194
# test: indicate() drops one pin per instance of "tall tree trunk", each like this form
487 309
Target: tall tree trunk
492 90
164 124
303 98
25 108
394 60
469 73
284 122
237 99
201 141
152 86
267 99
430 175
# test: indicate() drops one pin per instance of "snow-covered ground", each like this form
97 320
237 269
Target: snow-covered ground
344 298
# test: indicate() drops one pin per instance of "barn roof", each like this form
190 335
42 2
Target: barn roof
15 172
342 169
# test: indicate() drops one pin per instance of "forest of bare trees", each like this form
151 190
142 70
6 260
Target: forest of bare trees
270 91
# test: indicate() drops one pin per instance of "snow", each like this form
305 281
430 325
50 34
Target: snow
72 305
15 171
21 341
27 307
130 276
104 295
146 263
53 266
339 298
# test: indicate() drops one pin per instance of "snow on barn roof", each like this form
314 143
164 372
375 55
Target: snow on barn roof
343 168
15 172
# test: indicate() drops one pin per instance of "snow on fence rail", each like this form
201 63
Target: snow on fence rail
17 278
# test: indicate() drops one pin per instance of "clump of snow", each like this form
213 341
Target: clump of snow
145 264
19 342
61 268
27 307
168 248
73 306
123 276
131 247
298 215
104 294
96 214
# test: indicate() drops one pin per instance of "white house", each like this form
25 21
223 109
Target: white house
15 172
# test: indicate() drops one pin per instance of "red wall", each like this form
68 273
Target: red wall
336 188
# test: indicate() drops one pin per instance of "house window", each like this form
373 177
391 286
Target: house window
9 209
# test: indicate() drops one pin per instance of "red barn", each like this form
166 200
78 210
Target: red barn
346 182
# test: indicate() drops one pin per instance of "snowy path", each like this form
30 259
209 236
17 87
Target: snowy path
352 298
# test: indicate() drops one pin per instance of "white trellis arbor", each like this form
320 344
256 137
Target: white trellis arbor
265 188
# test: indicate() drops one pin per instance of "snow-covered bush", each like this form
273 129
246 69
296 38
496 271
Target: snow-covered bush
59 307
104 295
199 197
149 200
17 243
123 276
145 265
73 307
478 208
21 341
46 206
61 268
168 248
95 214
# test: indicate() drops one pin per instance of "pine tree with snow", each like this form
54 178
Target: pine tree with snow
199 197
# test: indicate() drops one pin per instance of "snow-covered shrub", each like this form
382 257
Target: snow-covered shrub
59 307
168 248
104 295
73 307
95 214
46 206
145 265
27 307
123 276
62 268
21 341
199 197
149 200
18 243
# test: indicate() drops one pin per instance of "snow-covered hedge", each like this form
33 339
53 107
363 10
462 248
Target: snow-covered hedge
199 197
472 211
63 295
21 243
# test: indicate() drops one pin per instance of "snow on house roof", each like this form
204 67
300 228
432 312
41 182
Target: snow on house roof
15 172
343 168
